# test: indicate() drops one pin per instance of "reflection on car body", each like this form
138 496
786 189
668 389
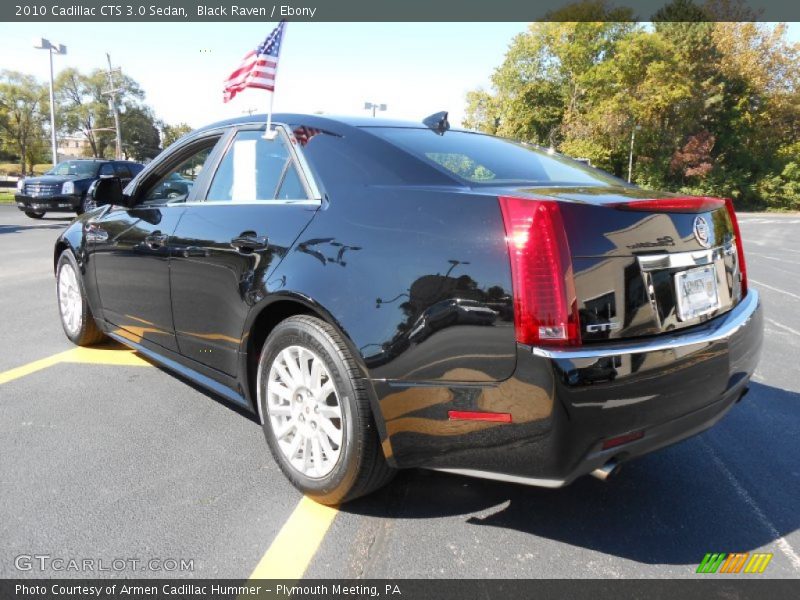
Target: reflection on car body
387 295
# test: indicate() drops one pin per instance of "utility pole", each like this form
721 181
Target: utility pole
112 104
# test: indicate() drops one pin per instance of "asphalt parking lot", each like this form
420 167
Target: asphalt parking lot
104 456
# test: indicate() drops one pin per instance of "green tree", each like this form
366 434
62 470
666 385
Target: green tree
84 108
23 110
714 106
171 133
141 140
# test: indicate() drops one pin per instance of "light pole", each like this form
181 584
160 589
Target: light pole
374 107
43 44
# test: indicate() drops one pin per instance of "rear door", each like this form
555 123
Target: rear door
251 212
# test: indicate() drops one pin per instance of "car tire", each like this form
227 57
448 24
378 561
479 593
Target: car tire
76 316
85 205
33 214
332 459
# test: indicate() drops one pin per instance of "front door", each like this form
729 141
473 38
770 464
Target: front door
256 205
131 252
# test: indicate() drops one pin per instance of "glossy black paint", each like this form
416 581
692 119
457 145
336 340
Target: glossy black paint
412 266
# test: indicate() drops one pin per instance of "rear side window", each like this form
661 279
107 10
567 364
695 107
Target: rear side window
255 168
483 159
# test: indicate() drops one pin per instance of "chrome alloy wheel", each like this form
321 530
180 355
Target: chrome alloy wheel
304 411
70 301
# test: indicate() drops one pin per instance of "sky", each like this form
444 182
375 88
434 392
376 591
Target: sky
416 69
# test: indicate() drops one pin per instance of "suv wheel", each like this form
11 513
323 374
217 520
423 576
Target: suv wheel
34 214
86 204
316 413
76 316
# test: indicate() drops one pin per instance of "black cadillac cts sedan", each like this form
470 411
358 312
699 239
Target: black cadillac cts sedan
389 294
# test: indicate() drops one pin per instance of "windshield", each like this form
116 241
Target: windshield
75 168
484 159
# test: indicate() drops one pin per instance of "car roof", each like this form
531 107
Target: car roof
332 122
101 160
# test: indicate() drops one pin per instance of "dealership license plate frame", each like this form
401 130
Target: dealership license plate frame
693 305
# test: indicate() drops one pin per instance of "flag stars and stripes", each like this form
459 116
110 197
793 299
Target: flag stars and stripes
258 68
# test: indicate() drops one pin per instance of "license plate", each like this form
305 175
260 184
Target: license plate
696 291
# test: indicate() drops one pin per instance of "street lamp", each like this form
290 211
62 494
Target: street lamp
374 107
43 44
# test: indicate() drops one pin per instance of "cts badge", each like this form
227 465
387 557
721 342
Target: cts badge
702 232
600 327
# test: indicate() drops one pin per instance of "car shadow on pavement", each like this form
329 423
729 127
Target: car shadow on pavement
670 507
43 224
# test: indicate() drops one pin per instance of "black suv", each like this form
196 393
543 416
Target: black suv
63 188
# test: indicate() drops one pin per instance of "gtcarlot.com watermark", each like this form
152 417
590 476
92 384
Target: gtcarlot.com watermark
43 563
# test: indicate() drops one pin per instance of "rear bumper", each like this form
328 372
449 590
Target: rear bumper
60 203
565 404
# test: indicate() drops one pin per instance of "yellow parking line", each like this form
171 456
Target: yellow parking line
107 355
32 367
296 543
101 355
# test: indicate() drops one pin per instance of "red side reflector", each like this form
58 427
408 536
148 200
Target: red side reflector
545 303
466 415
674 205
622 439
739 246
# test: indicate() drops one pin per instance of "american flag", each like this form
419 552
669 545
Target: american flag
258 67
303 134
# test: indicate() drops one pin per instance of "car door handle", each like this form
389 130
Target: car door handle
155 240
249 241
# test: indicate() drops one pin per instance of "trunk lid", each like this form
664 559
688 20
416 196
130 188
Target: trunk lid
645 272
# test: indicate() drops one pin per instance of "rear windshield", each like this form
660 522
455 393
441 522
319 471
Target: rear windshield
484 159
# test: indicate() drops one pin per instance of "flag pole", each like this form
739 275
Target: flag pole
268 133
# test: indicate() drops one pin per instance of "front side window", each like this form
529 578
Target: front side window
176 185
483 159
255 168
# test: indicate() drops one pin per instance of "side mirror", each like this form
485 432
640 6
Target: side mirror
107 190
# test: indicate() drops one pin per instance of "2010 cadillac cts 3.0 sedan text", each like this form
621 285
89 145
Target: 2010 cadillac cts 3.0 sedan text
388 294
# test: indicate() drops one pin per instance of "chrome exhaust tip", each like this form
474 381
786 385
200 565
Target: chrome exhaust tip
607 471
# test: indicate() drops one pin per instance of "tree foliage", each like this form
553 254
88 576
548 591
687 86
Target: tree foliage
171 133
24 107
715 106
83 106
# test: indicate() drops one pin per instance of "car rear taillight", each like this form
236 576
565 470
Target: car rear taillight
739 246
545 304
674 205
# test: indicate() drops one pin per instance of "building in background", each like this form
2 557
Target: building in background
73 147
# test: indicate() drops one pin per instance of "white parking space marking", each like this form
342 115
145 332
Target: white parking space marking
782 326
784 546
775 289
776 259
